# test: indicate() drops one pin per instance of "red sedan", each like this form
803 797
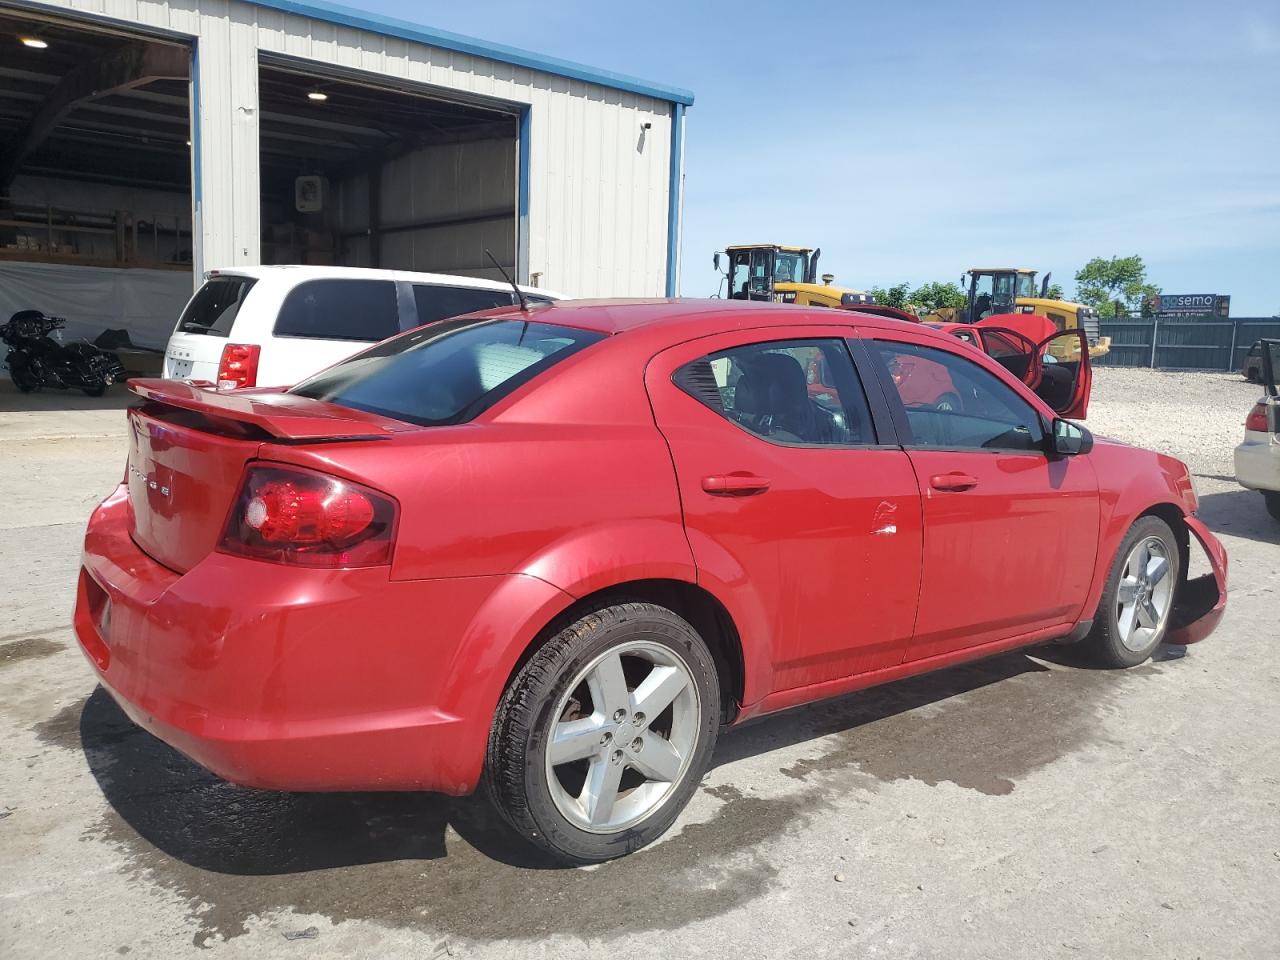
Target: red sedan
555 551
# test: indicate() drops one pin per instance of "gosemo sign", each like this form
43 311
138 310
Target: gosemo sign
1195 303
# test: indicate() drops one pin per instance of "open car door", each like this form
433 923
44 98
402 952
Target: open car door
1014 351
1270 366
1066 376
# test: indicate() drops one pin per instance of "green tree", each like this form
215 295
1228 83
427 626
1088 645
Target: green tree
895 296
934 296
1055 292
1111 285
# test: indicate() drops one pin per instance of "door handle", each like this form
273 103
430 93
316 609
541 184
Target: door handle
954 481
735 484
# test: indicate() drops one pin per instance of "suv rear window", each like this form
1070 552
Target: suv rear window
214 307
439 302
340 309
447 373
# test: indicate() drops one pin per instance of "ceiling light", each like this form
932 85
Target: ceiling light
317 95
34 42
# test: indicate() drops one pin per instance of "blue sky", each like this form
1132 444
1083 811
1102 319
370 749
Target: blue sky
911 140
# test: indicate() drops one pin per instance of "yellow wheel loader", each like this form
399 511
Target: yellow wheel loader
770 271
1013 290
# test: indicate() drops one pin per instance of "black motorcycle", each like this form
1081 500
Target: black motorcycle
37 360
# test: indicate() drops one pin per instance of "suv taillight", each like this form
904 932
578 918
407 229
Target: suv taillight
239 365
290 515
1257 419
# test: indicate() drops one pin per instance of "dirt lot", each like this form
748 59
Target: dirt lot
1021 807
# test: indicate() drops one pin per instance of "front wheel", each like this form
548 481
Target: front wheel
604 735
1133 614
24 378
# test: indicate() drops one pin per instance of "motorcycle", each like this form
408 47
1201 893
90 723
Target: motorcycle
37 360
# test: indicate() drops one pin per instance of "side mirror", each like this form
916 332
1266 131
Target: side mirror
1070 439
715 260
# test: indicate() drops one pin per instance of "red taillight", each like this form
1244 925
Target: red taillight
239 365
290 515
1257 419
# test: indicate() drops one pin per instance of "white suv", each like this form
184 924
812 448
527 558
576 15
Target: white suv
1258 457
276 326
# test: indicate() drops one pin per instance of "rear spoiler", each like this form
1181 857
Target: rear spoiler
280 415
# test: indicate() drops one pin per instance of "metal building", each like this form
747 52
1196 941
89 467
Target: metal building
183 135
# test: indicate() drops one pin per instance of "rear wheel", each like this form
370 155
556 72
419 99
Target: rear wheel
1272 499
1133 614
603 736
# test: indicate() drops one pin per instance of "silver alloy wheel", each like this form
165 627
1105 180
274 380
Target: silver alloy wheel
612 767
1143 599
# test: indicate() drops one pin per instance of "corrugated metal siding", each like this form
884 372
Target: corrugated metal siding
598 189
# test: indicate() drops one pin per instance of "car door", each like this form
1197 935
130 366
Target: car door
1066 373
797 510
1010 533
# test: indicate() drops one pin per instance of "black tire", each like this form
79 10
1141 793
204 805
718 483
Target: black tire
22 377
1252 375
1272 500
516 771
1104 644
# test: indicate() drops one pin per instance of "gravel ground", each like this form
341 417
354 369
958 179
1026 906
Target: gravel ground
1021 807
1196 417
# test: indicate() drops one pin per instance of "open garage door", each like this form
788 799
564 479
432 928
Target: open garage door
95 179
364 176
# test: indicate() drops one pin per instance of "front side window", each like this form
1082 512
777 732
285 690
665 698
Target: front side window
448 372
953 403
340 309
436 302
1026 285
787 391
213 309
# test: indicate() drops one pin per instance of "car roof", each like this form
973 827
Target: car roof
693 317
300 272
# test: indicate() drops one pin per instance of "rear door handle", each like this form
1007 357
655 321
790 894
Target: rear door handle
954 482
733 484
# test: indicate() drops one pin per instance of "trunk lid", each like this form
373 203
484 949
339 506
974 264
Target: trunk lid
188 447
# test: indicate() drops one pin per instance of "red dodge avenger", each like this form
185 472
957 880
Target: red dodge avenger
554 552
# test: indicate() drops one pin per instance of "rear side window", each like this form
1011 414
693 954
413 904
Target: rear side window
214 307
440 303
788 391
446 373
340 310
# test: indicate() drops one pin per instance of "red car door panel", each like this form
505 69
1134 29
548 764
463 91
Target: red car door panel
817 532
1010 534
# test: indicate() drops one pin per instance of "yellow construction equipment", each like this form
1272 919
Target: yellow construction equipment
770 271
1013 290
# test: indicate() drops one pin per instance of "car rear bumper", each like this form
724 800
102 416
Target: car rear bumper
1202 601
1258 461
287 678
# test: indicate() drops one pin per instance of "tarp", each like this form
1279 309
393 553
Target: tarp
146 303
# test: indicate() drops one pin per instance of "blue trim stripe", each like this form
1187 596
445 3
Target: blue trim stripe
197 178
673 196
394 27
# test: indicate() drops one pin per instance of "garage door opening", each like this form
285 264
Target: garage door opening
95 179
362 176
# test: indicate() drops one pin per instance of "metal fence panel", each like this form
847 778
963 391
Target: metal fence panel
1184 343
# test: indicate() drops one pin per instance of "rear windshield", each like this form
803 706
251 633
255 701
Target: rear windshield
448 372
434 302
214 307
340 309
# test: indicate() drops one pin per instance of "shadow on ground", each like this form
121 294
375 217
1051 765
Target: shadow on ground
446 866
1239 513
117 397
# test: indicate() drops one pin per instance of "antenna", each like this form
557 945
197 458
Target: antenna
524 304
